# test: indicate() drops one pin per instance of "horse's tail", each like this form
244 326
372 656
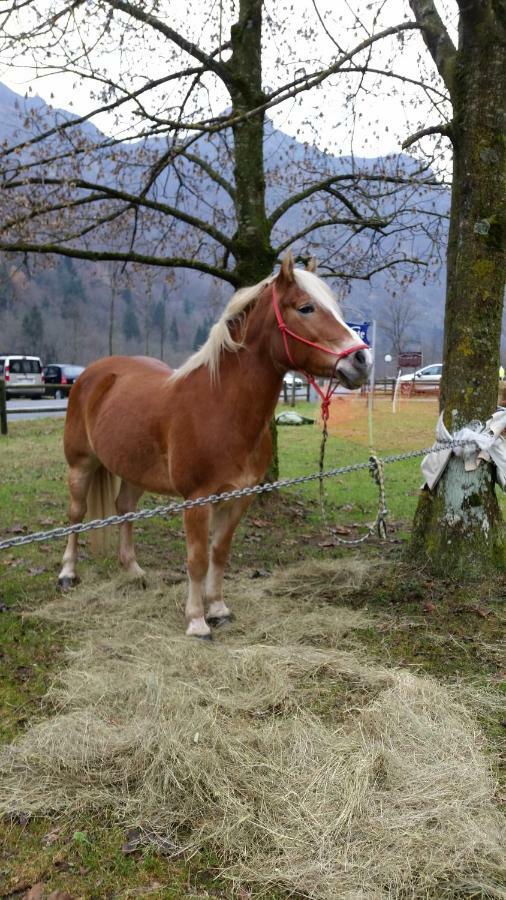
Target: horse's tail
101 503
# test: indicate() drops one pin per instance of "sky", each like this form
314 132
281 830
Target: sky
295 40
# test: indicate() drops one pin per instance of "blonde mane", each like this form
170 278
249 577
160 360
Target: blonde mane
220 338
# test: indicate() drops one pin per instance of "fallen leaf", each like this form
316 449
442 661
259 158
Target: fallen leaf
60 895
47 521
51 837
259 523
429 607
17 528
36 570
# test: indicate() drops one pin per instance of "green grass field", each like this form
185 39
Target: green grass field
438 627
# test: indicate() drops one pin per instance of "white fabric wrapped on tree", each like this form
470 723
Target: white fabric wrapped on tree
483 443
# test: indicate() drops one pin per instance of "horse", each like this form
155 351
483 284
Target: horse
204 428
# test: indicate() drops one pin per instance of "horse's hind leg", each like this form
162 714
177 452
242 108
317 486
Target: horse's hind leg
126 501
196 523
79 480
224 521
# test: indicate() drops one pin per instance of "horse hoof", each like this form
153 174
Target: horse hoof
203 637
68 582
219 621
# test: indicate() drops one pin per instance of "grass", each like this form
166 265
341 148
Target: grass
436 627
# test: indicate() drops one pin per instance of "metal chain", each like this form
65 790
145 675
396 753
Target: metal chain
173 508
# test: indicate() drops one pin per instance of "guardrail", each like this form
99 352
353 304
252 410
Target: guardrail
290 394
24 410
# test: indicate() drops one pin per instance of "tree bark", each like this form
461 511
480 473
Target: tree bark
458 527
252 248
253 252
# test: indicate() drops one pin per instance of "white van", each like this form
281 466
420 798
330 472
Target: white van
23 376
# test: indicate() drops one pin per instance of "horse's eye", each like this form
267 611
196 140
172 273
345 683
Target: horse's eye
306 309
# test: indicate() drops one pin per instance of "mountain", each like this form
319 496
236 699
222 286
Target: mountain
165 317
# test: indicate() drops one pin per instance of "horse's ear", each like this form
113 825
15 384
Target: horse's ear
286 270
311 264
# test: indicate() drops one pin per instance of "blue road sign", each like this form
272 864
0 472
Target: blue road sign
361 328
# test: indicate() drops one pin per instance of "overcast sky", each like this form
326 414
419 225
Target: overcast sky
380 123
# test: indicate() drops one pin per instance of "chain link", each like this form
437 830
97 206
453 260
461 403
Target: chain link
173 508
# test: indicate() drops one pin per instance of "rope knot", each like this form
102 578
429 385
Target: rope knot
325 408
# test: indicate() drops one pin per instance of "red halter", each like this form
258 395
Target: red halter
325 396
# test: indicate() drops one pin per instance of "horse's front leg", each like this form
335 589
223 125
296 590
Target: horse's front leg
196 523
225 518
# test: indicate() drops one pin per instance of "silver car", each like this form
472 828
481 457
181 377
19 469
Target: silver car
22 375
425 380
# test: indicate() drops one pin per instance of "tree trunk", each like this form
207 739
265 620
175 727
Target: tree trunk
458 527
254 255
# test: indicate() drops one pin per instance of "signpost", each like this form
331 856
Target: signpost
361 328
3 407
410 360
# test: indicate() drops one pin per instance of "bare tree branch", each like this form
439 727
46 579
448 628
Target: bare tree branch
438 41
133 200
136 12
174 262
444 128
358 224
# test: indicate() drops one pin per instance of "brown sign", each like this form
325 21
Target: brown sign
410 360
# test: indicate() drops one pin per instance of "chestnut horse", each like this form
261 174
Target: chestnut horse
203 429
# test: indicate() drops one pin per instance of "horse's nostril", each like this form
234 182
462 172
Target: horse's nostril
361 358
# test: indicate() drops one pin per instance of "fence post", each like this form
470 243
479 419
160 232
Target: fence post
3 407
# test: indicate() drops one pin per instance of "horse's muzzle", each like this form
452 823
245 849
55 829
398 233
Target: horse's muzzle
354 370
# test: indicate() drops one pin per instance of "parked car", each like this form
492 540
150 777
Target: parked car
291 382
58 374
423 380
23 376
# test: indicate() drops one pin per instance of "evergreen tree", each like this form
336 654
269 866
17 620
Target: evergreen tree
200 337
5 287
202 333
159 321
73 293
174 332
32 328
131 328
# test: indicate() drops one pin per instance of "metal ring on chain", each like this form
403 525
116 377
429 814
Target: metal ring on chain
174 508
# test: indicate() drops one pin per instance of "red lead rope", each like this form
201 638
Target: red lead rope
325 396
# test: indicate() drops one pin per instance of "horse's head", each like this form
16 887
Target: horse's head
313 336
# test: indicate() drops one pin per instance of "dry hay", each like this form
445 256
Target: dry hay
279 746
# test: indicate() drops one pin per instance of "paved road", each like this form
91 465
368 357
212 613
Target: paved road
36 409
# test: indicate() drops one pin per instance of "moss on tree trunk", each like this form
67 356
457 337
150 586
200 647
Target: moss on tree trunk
254 255
458 527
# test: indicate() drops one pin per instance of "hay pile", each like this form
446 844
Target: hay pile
278 745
